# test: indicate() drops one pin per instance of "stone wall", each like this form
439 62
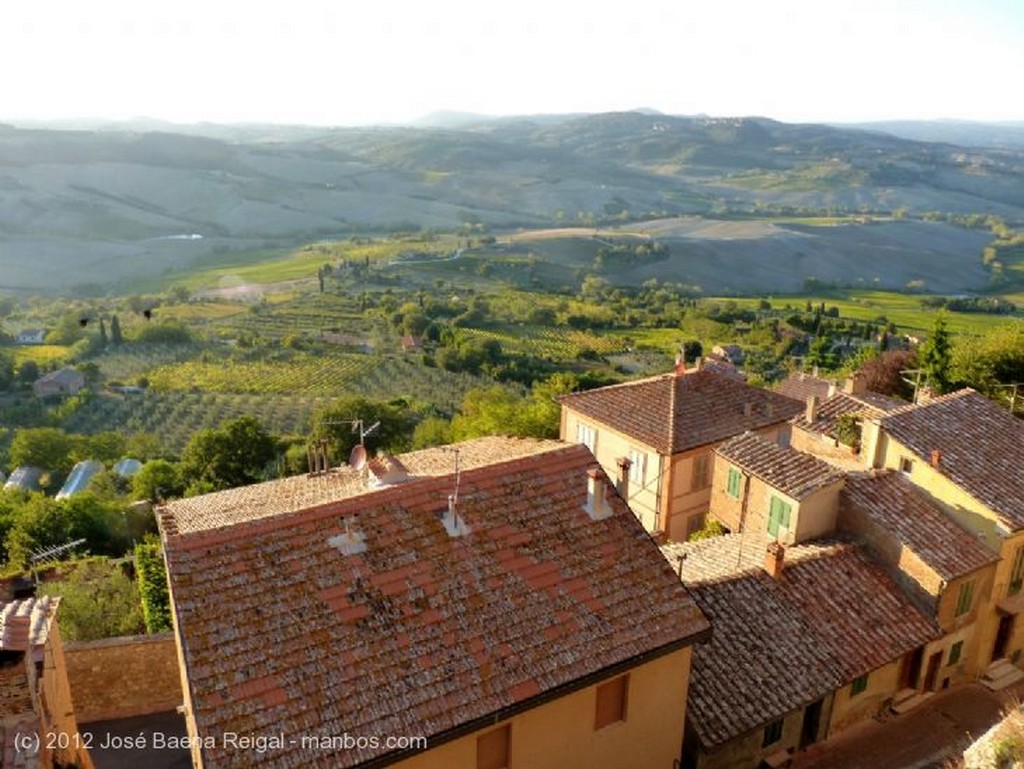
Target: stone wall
122 677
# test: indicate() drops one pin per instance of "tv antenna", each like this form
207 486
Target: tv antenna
453 498
357 426
915 382
1012 397
38 556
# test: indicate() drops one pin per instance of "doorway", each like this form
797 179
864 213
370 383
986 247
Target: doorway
934 663
1003 636
812 724
910 671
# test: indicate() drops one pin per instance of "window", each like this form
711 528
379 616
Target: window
586 435
611 702
859 684
701 475
1017 575
735 481
778 515
906 465
965 600
637 460
492 748
772 733
954 652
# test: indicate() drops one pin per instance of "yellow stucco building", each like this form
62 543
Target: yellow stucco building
657 437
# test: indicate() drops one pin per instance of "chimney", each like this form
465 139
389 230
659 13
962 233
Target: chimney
680 365
832 388
815 374
936 458
748 409
699 363
622 479
855 384
597 506
774 558
811 415
769 410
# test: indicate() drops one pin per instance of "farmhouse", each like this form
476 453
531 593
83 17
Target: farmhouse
30 336
514 608
65 381
657 435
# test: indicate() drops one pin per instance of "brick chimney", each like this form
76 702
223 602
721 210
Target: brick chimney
622 478
856 384
936 458
597 506
811 415
774 557
680 365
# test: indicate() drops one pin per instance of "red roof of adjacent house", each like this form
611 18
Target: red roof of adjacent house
24 628
791 472
781 644
980 446
674 413
414 631
901 517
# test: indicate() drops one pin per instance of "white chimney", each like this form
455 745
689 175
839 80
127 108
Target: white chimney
454 523
597 506
811 415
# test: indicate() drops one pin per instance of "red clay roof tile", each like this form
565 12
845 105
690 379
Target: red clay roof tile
674 413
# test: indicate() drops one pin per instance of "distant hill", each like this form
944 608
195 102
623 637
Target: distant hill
101 207
965 133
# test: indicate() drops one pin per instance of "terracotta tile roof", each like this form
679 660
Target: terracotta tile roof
864 405
790 471
421 632
980 446
264 500
898 511
672 413
25 624
781 644
801 386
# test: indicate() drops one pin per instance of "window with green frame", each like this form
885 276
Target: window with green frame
1017 575
735 481
858 685
954 652
965 600
778 515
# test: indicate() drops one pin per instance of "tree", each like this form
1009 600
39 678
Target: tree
45 447
882 372
936 356
237 454
152 578
157 480
97 601
28 371
335 423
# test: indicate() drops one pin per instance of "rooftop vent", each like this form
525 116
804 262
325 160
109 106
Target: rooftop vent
350 542
454 523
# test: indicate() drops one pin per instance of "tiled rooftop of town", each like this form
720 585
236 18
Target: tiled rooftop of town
791 472
673 413
24 628
893 505
780 644
364 615
285 495
979 446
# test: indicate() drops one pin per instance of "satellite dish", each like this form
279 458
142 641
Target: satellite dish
358 457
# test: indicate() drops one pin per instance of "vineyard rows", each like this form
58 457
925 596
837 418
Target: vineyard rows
552 343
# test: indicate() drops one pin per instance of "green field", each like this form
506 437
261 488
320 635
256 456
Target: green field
904 310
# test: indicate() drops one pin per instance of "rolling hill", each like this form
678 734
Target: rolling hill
92 211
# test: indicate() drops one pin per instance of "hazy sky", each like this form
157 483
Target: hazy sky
341 62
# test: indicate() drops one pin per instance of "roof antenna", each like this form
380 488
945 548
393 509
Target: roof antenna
455 525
